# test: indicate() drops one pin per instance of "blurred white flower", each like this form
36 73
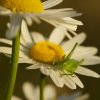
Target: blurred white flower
49 55
15 98
75 96
34 10
33 93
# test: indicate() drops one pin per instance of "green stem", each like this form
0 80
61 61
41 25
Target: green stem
42 83
13 68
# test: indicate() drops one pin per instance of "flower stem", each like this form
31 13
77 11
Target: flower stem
13 68
42 84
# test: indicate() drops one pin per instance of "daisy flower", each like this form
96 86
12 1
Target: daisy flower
34 10
32 93
56 57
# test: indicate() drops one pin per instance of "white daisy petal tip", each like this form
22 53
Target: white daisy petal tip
82 86
92 60
80 23
59 33
76 80
83 35
87 72
73 87
97 76
37 37
28 90
73 21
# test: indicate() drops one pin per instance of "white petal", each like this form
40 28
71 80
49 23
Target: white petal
57 35
35 66
15 98
35 18
91 60
23 42
51 3
87 72
8 50
2 8
44 69
23 55
68 45
55 76
14 27
49 21
25 33
28 61
59 10
58 21
24 49
37 37
55 17
75 79
28 19
69 26
28 90
68 82
4 11
49 92
72 21
6 41
68 35
37 93
59 14
83 52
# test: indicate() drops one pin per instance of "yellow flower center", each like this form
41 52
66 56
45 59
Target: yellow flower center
46 52
26 6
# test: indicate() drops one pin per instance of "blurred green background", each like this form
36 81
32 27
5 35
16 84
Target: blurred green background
91 19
